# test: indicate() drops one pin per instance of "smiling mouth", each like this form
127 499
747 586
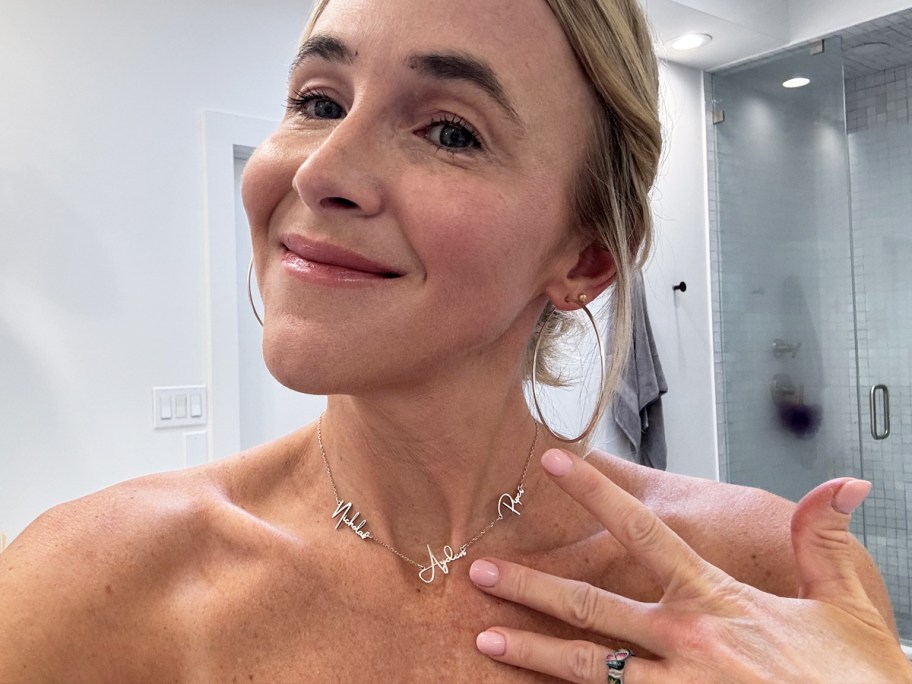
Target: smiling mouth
306 255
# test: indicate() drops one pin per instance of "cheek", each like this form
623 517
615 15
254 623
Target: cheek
267 179
487 234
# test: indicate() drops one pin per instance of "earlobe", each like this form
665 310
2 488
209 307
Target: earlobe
593 271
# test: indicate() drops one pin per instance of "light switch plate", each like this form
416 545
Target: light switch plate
170 402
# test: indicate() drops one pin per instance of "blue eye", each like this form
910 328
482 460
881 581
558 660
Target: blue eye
450 133
453 134
313 104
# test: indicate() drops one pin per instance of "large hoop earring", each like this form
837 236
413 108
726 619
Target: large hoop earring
582 299
250 292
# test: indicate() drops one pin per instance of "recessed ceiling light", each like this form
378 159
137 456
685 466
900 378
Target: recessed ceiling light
798 82
691 41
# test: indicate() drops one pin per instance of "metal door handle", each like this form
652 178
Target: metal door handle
885 391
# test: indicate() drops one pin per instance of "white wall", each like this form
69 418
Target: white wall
102 251
682 323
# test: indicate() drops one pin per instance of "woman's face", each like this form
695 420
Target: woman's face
411 212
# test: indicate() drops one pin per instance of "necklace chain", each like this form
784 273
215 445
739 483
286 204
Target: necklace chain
345 516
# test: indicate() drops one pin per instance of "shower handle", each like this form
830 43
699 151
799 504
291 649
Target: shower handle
885 392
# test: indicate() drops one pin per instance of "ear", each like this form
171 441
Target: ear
593 270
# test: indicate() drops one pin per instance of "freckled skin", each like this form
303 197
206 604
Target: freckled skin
234 572
197 589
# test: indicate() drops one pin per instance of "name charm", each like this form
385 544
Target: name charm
429 572
511 503
342 510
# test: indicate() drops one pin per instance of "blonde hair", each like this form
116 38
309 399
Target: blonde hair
613 45
610 195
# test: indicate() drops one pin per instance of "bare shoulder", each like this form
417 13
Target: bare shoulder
743 530
89 571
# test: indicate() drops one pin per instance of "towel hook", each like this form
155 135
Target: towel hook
682 286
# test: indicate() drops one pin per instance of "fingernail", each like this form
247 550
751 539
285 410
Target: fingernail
850 495
491 643
556 462
484 573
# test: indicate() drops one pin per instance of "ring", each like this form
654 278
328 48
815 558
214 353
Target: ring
615 661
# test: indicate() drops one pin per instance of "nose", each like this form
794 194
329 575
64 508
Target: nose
342 173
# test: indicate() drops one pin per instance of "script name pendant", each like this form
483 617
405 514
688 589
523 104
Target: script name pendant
342 510
511 503
429 572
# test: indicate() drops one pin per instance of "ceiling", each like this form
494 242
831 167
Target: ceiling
743 29
878 45
740 28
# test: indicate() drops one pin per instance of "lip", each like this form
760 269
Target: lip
330 261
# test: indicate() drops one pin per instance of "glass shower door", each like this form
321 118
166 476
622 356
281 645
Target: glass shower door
814 285
881 171
784 269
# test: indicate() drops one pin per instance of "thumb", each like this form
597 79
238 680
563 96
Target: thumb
822 541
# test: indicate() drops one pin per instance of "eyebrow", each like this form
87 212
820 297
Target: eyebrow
453 66
445 66
325 47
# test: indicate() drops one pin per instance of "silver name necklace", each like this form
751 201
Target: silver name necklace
343 515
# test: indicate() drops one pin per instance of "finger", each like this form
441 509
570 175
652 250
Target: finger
573 661
822 541
577 603
637 528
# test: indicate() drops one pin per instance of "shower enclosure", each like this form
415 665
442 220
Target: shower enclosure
811 201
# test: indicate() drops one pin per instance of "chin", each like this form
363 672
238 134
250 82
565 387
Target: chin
304 360
294 361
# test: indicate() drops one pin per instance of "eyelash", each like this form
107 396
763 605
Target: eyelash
458 122
298 102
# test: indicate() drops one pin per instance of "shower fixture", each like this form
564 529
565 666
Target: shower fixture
781 348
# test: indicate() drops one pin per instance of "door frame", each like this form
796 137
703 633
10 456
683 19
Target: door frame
226 137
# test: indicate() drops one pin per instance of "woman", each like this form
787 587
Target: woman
434 191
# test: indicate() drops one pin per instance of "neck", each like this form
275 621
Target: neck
423 472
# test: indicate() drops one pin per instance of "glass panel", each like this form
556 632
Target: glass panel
814 275
881 167
785 274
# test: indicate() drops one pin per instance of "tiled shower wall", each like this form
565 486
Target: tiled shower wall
783 267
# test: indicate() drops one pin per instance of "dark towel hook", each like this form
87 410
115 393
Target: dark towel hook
682 286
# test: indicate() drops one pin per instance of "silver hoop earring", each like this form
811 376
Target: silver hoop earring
250 292
582 299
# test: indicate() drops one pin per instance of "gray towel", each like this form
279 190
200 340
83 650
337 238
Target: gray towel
638 402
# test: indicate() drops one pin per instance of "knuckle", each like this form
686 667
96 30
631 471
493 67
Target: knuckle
581 606
706 640
519 584
582 661
643 529
695 637
519 649
663 622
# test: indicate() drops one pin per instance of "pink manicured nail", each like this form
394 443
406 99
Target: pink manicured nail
556 462
484 573
850 495
491 643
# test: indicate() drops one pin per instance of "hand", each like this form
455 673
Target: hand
708 627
